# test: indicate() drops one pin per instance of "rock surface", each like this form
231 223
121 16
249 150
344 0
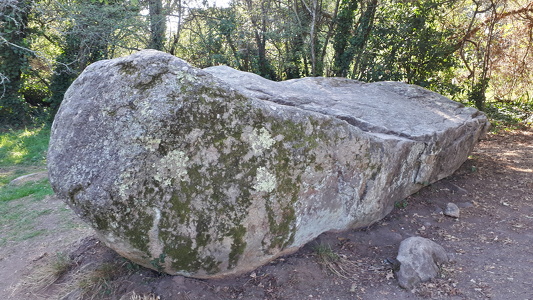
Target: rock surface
208 173
419 261
452 210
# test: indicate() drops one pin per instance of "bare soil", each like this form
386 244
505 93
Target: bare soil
491 245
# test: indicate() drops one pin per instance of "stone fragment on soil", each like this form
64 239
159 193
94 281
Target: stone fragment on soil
214 172
458 189
29 178
466 204
419 261
452 210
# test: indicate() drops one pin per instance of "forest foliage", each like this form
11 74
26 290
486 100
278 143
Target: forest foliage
474 51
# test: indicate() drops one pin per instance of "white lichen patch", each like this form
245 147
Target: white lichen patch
125 182
151 144
263 140
264 180
185 77
259 139
173 165
208 156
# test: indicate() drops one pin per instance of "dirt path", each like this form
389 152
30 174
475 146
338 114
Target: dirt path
491 244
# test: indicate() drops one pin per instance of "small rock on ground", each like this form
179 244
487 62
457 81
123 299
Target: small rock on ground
452 210
419 259
27 178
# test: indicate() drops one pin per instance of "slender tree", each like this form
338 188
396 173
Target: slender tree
344 29
157 24
13 59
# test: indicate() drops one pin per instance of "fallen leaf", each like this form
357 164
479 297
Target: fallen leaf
353 288
390 275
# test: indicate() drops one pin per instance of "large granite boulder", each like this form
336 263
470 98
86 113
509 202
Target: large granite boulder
207 173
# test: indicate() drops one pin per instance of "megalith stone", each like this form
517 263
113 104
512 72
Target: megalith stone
208 173
419 261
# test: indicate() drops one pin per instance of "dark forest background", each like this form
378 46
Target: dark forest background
475 52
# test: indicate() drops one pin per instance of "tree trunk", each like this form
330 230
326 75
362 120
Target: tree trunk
314 9
157 24
177 34
363 34
344 31
260 24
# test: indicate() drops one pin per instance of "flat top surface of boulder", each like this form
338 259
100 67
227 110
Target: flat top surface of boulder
384 107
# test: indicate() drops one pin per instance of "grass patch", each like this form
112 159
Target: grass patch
31 234
60 264
22 152
18 221
337 264
99 281
38 190
20 210
8 174
88 281
401 204
49 272
325 253
507 115
24 147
